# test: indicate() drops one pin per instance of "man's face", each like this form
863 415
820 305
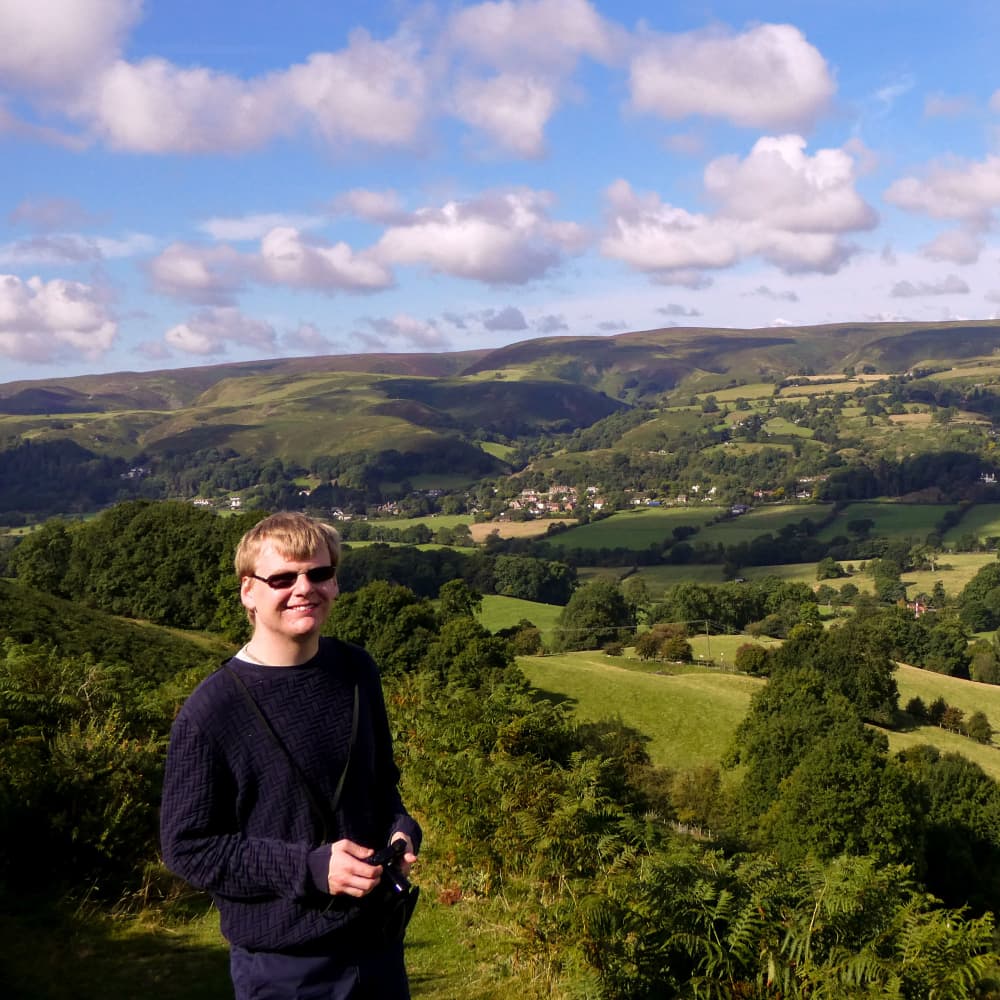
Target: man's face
295 612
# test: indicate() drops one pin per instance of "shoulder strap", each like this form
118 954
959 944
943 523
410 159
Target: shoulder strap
326 813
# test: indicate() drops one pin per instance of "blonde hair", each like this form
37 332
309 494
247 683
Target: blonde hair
295 536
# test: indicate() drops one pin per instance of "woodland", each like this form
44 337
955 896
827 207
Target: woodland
813 858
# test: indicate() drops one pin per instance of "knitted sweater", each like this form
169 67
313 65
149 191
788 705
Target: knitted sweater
236 819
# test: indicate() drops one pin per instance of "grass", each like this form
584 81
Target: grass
688 718
982 521
516 529
955 571
636 529
433 521
503 612
768 519
892 520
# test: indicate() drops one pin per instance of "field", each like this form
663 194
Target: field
955 571
689 718
769 519
636 529
892 520
516 529
503 612
981 521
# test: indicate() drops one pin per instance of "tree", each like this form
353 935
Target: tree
596 613
978 727
457 599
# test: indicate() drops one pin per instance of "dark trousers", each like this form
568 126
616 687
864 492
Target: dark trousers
268 975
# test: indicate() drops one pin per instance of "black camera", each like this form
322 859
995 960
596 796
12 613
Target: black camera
389 858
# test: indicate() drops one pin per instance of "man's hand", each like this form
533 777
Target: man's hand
350 874
409 857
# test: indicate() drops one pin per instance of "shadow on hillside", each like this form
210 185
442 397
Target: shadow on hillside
555 697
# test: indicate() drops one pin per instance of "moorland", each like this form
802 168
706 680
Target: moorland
689 639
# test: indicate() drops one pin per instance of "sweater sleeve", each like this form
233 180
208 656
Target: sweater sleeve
198 830
387 773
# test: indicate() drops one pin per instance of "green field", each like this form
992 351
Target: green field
689 718
981 521
636 529
892 520
954 572
768 519
433 521
503 612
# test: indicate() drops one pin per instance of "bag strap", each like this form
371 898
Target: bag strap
326 814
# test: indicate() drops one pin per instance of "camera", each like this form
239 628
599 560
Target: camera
389 858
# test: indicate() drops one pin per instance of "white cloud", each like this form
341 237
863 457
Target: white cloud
951 189
213 275
534 34
513 110
677 310
254 226
778 203
72 248
767 77
780 187
307 339
286 258
502 237
950 285
372 91
51 45
210 275
550 323
156 107
44 321
212 330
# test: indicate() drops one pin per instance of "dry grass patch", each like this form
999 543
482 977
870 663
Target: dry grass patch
911 419
516 529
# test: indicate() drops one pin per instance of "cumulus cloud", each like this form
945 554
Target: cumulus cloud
768 77
213 330
371 91
500 237
51 45
950 285
209 275
512 109
779 203
951 189
45 321
287 258
535 34
214 274
508 318
779 186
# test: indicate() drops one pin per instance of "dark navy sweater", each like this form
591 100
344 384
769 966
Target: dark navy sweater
236 819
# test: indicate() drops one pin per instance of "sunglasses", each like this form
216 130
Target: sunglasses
284 581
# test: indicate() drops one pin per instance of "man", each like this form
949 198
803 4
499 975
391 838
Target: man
280 784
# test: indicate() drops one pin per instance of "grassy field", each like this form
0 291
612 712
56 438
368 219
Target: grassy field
892 520
982 521
516 529
955 571
636 529
689 718
503 612
433 521
769 519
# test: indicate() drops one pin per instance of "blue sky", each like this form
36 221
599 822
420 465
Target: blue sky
187 183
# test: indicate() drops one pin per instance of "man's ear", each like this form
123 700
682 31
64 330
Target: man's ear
245 599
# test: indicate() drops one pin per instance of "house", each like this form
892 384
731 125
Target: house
235 503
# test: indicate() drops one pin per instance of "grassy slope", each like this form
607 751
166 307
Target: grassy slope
503 612
690 718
